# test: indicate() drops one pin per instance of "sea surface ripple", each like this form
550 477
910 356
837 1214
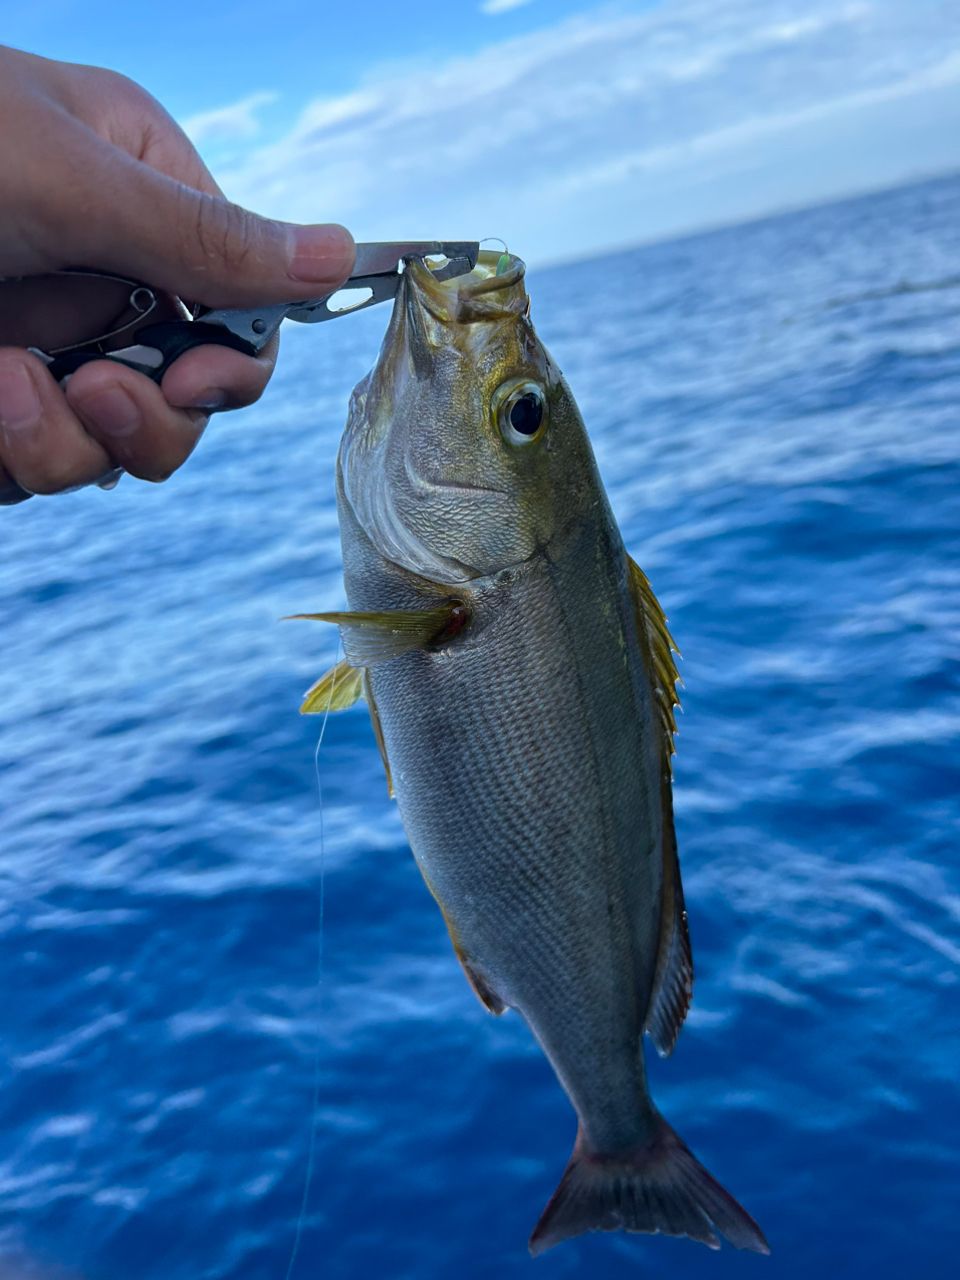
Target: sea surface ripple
775 412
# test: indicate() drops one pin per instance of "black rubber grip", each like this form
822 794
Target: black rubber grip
170 337
173 337
61 367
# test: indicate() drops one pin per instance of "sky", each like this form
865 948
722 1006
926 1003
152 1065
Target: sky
562 126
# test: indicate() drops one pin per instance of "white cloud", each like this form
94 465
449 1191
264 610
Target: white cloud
621 125
501 6
233 123
736 137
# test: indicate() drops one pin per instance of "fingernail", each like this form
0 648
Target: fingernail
19 400
112 410
209 400
110 479
321 255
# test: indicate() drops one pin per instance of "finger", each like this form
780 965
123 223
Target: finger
43 447
125 114
147 225
10 491
212 377
148 133
131 420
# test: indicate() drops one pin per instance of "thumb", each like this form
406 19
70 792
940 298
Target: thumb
197 245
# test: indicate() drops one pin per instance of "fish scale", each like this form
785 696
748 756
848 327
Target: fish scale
489 717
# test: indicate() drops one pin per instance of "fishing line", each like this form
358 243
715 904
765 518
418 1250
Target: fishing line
312 1147
504 261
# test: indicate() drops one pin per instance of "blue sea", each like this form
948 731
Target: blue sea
776 413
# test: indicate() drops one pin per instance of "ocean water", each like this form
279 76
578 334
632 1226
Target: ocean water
776 413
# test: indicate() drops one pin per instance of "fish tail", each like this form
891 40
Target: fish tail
659 1186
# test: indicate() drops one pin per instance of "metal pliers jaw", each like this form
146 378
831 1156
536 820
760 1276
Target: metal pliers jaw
378 269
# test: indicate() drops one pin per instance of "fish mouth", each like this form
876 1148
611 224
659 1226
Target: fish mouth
493 289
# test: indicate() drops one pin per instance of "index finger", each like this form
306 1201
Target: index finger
10 491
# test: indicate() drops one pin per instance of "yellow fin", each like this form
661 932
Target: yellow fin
376 637
336 691
673 980
660 648
378 732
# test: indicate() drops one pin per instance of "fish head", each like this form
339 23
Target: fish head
464 451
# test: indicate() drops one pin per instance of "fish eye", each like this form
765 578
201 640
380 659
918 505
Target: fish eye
521 411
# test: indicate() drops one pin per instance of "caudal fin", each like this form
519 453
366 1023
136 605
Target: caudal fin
658 1187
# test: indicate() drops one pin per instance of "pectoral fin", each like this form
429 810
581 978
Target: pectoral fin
369 638
336 691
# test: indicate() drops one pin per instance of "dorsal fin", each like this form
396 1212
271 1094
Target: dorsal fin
660 646
673 980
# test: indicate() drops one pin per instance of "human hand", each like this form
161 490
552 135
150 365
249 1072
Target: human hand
97 175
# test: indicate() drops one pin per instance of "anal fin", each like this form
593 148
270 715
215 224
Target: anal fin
673 981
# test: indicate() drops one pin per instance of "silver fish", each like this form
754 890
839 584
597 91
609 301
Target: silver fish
521 683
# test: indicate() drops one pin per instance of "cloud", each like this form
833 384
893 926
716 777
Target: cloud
501 6
620 125
236 122
735 137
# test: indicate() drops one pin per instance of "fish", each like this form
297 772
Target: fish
521 681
